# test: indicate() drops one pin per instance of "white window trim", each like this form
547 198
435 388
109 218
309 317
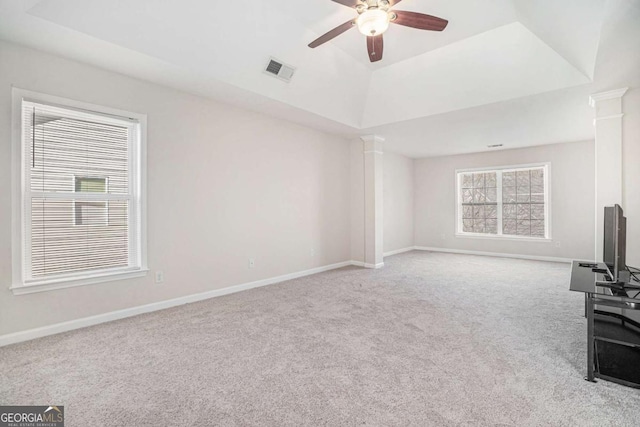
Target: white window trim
547 204
19 285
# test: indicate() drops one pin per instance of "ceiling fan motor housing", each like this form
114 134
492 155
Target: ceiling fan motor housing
372 4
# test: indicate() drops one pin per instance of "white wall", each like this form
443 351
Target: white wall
572 200
224 185
398 202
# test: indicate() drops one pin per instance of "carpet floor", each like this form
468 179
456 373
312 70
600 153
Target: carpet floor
431 339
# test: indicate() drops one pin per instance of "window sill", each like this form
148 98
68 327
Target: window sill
63 283
502 237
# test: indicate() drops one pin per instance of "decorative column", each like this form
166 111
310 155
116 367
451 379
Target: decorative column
373 206
608 127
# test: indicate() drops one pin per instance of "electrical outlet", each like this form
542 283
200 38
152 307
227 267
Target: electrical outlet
159 277
557 244
252 262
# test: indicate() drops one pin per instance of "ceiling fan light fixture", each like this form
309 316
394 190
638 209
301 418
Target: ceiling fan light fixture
373 22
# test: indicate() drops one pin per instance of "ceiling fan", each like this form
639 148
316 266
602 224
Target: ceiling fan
373 19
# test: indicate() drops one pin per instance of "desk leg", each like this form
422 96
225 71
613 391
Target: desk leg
590 341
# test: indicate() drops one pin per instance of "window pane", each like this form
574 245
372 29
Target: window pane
523 178
537 177
537 211
467 180
478 180
537 189
524 211
537 228
523 227
492 195
478 196
492 226
61 148
509 179
467 212
467 225
91 185
491 211
478 211
523 200
90 213
509 211
60 246
478 225
509 226
490 179
537 198
509 194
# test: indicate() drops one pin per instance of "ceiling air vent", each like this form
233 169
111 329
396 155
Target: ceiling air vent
280 70
494 146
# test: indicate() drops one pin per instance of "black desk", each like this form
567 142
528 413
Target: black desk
613 327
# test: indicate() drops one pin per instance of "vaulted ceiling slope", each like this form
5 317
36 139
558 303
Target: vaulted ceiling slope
491 52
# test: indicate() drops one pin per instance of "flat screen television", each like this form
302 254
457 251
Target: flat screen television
615 242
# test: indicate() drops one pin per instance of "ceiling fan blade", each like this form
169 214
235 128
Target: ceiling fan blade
331 34
348 3
375 46
419 21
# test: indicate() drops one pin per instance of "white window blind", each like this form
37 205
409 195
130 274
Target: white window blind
81 193
504 202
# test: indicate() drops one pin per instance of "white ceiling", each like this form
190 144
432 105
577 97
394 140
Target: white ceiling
498 63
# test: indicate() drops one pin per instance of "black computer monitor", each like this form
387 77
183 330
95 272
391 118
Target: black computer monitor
615 241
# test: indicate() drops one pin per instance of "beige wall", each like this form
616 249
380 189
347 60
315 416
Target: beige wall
398 202
572 200
224 185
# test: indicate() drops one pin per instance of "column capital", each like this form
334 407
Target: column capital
604 96
372 143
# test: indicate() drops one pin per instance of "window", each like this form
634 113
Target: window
90 213
78 193
509 202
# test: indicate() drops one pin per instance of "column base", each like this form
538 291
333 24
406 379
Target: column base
379 265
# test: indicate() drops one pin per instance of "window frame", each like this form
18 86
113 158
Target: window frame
21 282
499 170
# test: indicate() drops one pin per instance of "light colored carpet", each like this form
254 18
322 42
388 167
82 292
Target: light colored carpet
499 342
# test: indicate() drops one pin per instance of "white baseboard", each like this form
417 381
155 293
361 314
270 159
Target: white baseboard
399 251
366 264
378 265
161 305
495 254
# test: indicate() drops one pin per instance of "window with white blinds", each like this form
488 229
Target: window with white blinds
81 193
